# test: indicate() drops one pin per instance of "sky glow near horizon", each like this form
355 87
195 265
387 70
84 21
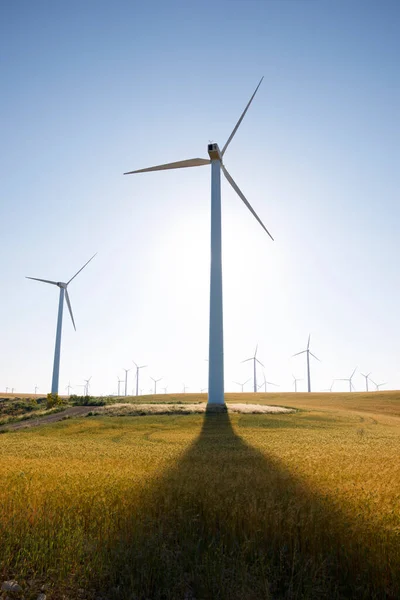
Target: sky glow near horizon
93 90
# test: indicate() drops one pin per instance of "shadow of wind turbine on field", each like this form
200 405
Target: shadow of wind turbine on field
228 522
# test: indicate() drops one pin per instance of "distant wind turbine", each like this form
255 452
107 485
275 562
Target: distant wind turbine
330 388
185 387
165 389
241 384
350 380
155 383
7 388
366 380
265 383
63 292
378 385
126 380
137 376
68 388
308 351
36 389
12 390
295 380
216 345
87 385
255 361
119 385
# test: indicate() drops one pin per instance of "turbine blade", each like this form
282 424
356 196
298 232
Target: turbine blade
353 373
81 269
69 308
43 280
297 353
275 384
247 203
308 343
259 362
314 356
247 359
240 120
180 164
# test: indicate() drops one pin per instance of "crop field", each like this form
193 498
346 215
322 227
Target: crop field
208 506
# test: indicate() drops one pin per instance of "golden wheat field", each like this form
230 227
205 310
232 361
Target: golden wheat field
208 506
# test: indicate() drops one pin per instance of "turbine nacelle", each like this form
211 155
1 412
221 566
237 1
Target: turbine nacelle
214 152
61 284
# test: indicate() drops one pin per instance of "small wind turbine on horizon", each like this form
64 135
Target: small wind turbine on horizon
255 361
308 351
378 385
87 385
36 389
68 388
165 389
137 376
63 293
265 383
241 384
7 388
126 380
366 380
330 388
155 384
216 344
295 380
350 380
119 385
185 387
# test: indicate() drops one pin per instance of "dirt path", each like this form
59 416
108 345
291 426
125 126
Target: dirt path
73 411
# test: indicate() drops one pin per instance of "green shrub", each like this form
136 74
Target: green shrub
54 400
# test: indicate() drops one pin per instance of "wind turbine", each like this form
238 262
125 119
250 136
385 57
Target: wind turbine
165 389
63 292
155 383
68 388
12 390
265 383
308 351
87 385
7 388
295 380
137 376
378 385
330 388
349 379
216 344
36 389
126 380
119 385
366 380
255 361
185 387
241 385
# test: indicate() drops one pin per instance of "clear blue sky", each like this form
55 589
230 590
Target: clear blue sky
93 89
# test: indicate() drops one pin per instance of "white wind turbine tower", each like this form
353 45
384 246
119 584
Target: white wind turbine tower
119 385
68 388
137 376
126 380
308 351
63 293
36 389
265 383
241 385
87 385
155 383
366 380
255 361
216 344
350 380
330 388
295 380
378 385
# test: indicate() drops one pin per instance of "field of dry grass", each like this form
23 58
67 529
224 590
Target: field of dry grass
239 506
